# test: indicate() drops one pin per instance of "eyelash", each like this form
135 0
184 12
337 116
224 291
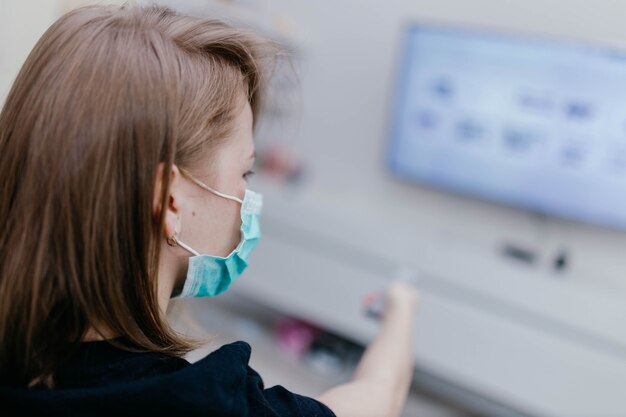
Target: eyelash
248 174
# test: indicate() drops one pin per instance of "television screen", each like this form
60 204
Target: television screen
531 123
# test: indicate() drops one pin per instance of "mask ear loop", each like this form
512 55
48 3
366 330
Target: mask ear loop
209 189
173 241
188 248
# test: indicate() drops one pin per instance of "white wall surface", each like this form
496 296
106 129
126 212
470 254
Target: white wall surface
21 24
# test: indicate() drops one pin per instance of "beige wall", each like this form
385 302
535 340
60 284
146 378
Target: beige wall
21 24
66 5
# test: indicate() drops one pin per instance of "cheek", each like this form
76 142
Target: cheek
236 186
224 239
226 224
213 228
234 228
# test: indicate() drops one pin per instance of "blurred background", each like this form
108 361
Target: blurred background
477 147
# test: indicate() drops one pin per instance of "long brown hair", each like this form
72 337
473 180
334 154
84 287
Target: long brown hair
106 95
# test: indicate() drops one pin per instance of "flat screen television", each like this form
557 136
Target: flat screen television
532 123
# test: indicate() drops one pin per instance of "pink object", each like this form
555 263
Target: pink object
295 337
279 162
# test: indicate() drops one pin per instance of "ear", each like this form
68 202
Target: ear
171 224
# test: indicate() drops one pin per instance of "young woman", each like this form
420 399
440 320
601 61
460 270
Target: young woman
125 144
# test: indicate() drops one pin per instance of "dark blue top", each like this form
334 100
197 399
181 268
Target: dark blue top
102 380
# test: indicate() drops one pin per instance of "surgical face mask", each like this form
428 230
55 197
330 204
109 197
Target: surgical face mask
208 275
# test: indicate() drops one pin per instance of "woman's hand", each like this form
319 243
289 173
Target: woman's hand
381 381
401 295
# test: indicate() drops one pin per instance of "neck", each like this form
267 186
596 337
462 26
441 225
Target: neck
171 272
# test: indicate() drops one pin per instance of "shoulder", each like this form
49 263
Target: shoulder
229 361
229 370
239 352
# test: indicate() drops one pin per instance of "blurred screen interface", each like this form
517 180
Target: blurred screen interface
530 123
